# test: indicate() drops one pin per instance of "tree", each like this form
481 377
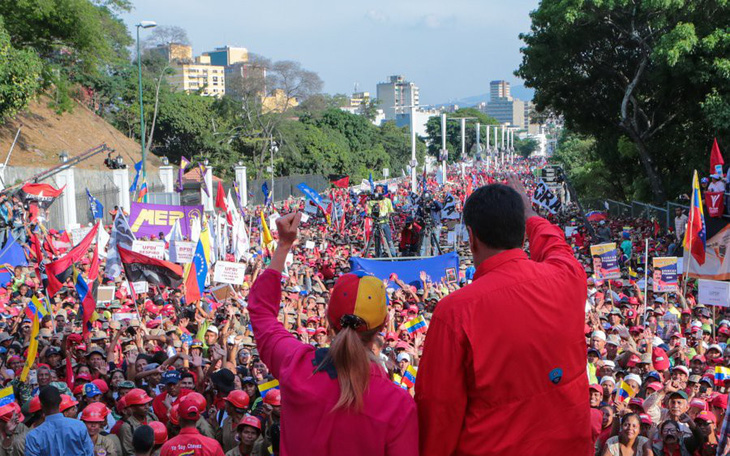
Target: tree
525 147
19 76
645 69
167 34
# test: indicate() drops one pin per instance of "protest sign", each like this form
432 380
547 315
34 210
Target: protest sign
182 251
305 217
229 272
123 316
570 231
152 219
139 287
714 293
152 249
715 203
605 261
78 234
544 198
309 245
449 211
664 279
105 294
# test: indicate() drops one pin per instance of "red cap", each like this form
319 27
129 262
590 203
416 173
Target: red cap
35 405
273 397
83 376
595 387
645 419
699 358
636 329
238 399
7 410
720 401
633 360
633 300
656 386
630 313
137 397
659 359
95 413
67 402
101 384
160 432
320 330
174 414
698 403
637 401
191 406
249 420
724 330
391 336
360 295
706 416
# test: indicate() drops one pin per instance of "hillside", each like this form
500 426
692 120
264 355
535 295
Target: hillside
45 134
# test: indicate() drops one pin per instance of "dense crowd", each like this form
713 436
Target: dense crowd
155 374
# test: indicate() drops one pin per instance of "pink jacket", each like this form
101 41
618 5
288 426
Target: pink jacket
388 424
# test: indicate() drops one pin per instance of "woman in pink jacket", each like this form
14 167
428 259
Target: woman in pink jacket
338 400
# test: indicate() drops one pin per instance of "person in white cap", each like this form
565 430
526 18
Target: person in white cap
634 381
680 375
717 185
598 341
609 384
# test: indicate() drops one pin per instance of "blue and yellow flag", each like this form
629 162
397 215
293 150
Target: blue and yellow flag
695 237
417 324
624 392
722 373
6 396
409 376
268 386
33 348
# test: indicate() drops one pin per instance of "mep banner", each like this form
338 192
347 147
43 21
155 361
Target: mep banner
229 272
605 261
715 203
664 278
546 199
440 267
152 219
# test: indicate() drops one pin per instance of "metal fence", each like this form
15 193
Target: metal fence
286 186
649 212
617 208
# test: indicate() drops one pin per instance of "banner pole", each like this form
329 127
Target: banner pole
646 275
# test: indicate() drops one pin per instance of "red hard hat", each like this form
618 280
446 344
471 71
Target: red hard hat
273 397
67 402
174 415
160 432
35 405
238 399
191 406
249 420
95 413
6 412
101 384
137 397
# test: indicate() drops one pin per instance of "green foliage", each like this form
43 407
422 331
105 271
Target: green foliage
453 132
525 147
19 74
653 73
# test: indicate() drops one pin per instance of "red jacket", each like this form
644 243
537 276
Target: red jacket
503 370
189 442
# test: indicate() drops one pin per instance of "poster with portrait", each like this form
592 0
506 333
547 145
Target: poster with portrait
664 277
605 261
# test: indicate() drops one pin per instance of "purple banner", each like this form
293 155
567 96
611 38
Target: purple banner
153 219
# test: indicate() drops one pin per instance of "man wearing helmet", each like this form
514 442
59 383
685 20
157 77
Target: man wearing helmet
236 406
189 442
94 417
248 430
138 403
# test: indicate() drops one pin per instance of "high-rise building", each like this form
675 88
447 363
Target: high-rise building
174 52
397 96
200 76
504 108
227 55
359 98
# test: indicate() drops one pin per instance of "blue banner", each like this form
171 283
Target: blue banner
443 266
95 206
11 255
310 193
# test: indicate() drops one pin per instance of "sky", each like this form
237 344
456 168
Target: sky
450 49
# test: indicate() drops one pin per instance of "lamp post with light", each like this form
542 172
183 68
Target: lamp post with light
145 25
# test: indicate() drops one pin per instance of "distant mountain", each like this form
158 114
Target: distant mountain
520 92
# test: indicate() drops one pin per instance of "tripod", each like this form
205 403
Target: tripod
378 240
429 244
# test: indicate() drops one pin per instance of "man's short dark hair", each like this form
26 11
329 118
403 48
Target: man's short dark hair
50 399
496 215
143 439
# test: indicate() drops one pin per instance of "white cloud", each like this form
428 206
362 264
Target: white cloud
376 16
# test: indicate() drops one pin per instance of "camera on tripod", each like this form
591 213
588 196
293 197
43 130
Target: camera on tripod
375 210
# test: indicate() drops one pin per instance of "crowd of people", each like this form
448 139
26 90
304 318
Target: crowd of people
154 374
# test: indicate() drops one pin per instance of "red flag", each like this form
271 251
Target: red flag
220 198
657 228
93 273
60 270
342 183
140 267
716 160
715 203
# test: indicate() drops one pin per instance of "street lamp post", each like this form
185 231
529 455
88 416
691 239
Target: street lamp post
273 148
145 25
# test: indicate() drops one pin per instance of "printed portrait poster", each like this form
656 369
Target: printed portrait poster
664 278
605 261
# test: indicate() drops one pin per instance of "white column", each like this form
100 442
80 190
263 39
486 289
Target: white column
443 145
463 138
2 177
68 197
242 185
120 177
166 176
414 162
486 145
207 198
479 145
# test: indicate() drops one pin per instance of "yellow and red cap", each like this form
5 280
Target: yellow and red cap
358 301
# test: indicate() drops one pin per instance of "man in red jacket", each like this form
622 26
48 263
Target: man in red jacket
503 370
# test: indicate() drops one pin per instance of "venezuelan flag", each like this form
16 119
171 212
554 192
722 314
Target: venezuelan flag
142 192
695 238
88 303
722 373
417 324
32 348
633 274
6 396
409 376
398 380
34 306
624 392
268 386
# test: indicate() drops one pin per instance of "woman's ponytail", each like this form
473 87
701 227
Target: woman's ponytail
351 359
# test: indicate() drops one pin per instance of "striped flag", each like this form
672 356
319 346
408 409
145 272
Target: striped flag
268 386
624 392
409 376
6 396
416 325
722 373
695 238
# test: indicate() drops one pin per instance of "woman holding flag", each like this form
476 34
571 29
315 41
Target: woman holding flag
337 399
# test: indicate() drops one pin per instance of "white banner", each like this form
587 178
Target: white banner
714 293
544 198
449 211
78 234
139 287
152 249
182 251
229 272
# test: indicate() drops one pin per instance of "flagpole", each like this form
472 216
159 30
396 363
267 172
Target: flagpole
646 275
688 240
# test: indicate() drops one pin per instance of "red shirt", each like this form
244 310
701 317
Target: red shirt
189 442
503 370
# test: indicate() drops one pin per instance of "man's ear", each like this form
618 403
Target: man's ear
473 244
